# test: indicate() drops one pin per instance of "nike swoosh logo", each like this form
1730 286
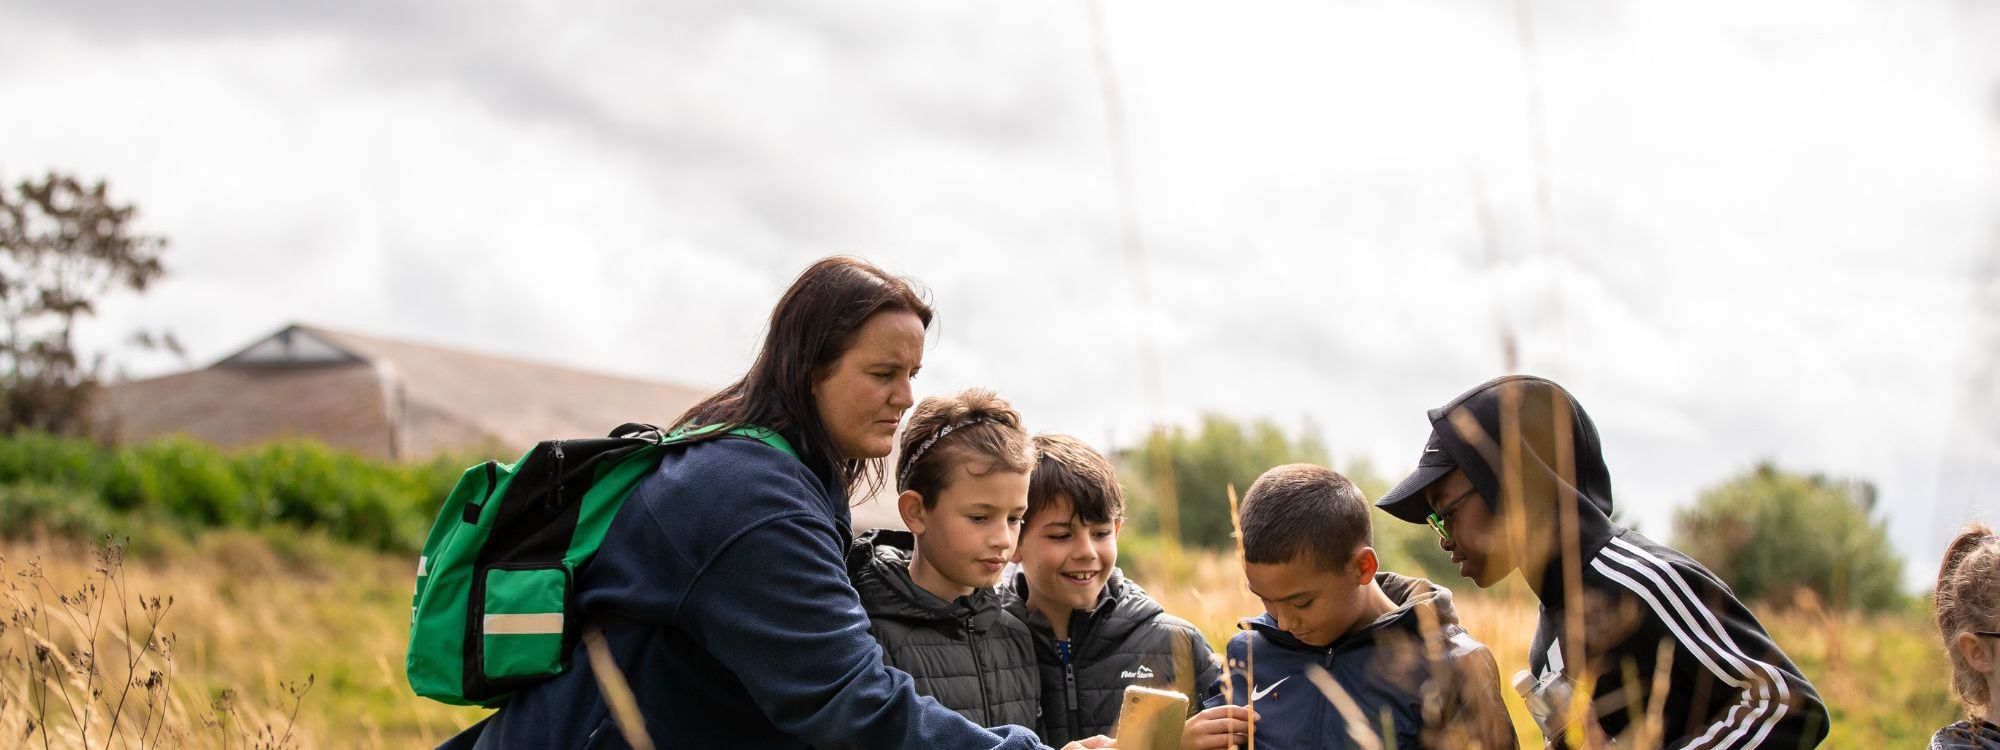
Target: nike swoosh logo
1258 695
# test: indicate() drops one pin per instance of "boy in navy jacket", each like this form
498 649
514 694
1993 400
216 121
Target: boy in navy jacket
1344 648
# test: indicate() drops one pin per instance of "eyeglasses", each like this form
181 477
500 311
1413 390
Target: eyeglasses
1986 634
1443 514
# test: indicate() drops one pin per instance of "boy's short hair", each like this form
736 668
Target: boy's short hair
1304 510
1066 467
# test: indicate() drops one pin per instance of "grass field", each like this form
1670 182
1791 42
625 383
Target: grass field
253 614
258 612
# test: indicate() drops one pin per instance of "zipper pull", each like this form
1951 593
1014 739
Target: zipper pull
1069 685
555 499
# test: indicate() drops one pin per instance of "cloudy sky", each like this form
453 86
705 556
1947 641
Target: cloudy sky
1738 231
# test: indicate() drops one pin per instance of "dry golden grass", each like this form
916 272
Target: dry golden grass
259 628
253 614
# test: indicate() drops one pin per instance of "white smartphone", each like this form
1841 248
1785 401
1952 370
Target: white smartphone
1150 719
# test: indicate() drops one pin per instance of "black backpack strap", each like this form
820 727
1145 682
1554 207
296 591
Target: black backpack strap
635 429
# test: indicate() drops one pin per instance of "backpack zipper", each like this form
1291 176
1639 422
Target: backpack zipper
556 499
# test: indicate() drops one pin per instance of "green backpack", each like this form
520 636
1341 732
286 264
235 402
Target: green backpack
496 584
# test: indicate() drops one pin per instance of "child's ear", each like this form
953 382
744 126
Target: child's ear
1976 651
1365 565
910 505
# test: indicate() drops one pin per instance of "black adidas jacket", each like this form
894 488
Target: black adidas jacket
1728 684
1127 640
970 653
1440 691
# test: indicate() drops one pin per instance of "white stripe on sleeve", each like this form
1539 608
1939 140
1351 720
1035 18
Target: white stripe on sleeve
1673 601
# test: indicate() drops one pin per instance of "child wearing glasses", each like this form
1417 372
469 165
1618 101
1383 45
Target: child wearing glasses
1654 645
1345 648
1967 609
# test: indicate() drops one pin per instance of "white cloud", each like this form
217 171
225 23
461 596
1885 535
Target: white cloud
1761 225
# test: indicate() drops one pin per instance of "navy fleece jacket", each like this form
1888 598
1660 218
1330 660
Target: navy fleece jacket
1433 684
724 599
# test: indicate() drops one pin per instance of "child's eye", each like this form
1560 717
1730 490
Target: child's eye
1014 520
1064 537
977 519
1101 534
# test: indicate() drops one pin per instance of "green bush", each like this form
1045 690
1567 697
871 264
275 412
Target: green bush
37 457
1204 463
308 484
1199 466
1769 533
34 507
189 480
287 483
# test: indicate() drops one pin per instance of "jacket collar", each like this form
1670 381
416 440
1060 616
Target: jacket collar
878 563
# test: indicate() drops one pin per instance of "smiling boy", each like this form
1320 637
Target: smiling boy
1096 632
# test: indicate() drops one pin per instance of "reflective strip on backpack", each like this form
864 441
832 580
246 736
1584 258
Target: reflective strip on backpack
539 624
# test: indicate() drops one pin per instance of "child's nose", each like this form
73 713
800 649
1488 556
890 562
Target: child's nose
1284 623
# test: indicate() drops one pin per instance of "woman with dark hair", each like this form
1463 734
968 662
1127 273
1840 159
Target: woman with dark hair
721 588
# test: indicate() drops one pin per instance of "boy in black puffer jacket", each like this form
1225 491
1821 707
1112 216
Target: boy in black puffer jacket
930 592
969 653
1095 632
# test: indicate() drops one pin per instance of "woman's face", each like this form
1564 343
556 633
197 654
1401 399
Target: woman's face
862 396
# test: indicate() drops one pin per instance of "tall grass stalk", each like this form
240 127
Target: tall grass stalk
88 663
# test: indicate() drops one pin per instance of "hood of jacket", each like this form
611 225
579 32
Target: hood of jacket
878 564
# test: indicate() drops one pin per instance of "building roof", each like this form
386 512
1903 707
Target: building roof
384 398
397 400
